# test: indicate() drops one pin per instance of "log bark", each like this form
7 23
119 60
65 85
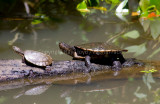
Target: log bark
15 69
15 74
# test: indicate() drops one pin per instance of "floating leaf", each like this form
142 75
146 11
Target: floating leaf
138 49
132 34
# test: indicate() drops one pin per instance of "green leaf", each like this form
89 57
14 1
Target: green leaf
100 8
144 4
137 49
132 34
34 22
156 3
82 7
115 1
112 7
112 1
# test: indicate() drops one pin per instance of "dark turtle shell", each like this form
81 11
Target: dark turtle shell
37 58
99 47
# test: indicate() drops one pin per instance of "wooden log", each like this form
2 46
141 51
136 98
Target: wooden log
15 74
15 69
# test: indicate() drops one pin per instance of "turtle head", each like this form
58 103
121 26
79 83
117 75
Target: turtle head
18 50
67 48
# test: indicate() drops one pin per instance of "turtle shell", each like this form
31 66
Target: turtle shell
99 47
37 58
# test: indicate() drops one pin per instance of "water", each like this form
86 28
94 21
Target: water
73 29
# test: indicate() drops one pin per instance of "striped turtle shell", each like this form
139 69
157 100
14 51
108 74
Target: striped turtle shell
98 47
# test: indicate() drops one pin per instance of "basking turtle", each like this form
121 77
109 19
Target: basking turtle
96 52
34 57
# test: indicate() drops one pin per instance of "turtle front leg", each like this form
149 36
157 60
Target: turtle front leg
48 68
117 66
88 63
23 59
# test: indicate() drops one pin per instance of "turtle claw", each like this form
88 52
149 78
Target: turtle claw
87 64
48 68
23 59
116 66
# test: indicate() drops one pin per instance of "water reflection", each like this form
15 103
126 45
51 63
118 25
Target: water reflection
107 91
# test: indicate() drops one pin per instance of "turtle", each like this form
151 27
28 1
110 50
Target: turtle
35 58
97 52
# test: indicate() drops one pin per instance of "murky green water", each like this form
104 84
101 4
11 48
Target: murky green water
71 27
